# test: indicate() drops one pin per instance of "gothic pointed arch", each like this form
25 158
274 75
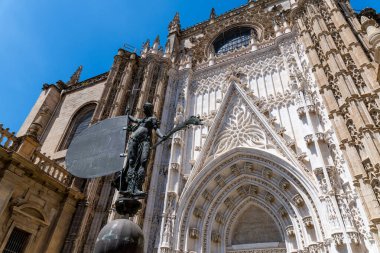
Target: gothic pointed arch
80 120
214 203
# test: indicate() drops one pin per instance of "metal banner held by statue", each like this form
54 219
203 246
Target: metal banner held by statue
95 152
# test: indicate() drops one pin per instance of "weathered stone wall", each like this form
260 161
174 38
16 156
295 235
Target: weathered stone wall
35 196
70 103
49 97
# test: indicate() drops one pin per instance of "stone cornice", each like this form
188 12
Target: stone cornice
88 82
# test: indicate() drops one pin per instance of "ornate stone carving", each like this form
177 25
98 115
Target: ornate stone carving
309 139
228 202
174 166
194 233
207 195
215 236
198 212
248 190
320 137
284 184
283 212
269 197
220 218
290 231
298 200
239 130
308 221
268 173
248 167
338 238
220 180
353 237
332 216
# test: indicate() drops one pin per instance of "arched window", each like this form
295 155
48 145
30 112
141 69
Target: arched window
232 39
80 122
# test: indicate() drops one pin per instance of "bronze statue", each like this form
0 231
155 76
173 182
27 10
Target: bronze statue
131 179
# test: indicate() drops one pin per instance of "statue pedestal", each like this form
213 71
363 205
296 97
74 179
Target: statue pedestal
122 235
125 205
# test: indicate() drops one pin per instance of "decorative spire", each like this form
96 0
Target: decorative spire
75 77
212 14
167 49
146 46
175 25
156 42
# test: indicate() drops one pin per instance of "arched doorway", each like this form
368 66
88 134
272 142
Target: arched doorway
224 203
254 228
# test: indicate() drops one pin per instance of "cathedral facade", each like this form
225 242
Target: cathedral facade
287 160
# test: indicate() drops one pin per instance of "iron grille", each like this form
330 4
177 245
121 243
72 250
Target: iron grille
17 241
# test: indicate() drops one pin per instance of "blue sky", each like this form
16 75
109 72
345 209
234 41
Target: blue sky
43 41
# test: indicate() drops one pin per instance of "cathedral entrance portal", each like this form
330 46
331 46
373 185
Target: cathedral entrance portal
248 199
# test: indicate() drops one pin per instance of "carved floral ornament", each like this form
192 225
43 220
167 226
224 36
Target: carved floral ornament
240 130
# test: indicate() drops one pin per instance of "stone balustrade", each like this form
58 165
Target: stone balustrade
10 142
7 139
52 168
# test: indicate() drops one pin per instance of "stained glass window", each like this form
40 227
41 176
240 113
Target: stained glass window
232 39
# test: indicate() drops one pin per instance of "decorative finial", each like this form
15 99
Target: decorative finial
212 14
157 40
176 17
75 77
175 25
167 49
146 45
156 43
363 19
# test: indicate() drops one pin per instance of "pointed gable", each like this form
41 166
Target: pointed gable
239 123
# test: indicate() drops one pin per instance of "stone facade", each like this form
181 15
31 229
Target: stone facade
288 157
37 196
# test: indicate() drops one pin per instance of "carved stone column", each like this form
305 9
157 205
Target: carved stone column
175 166
145 87
345 78
125 87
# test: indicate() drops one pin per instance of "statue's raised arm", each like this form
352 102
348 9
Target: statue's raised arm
192 120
